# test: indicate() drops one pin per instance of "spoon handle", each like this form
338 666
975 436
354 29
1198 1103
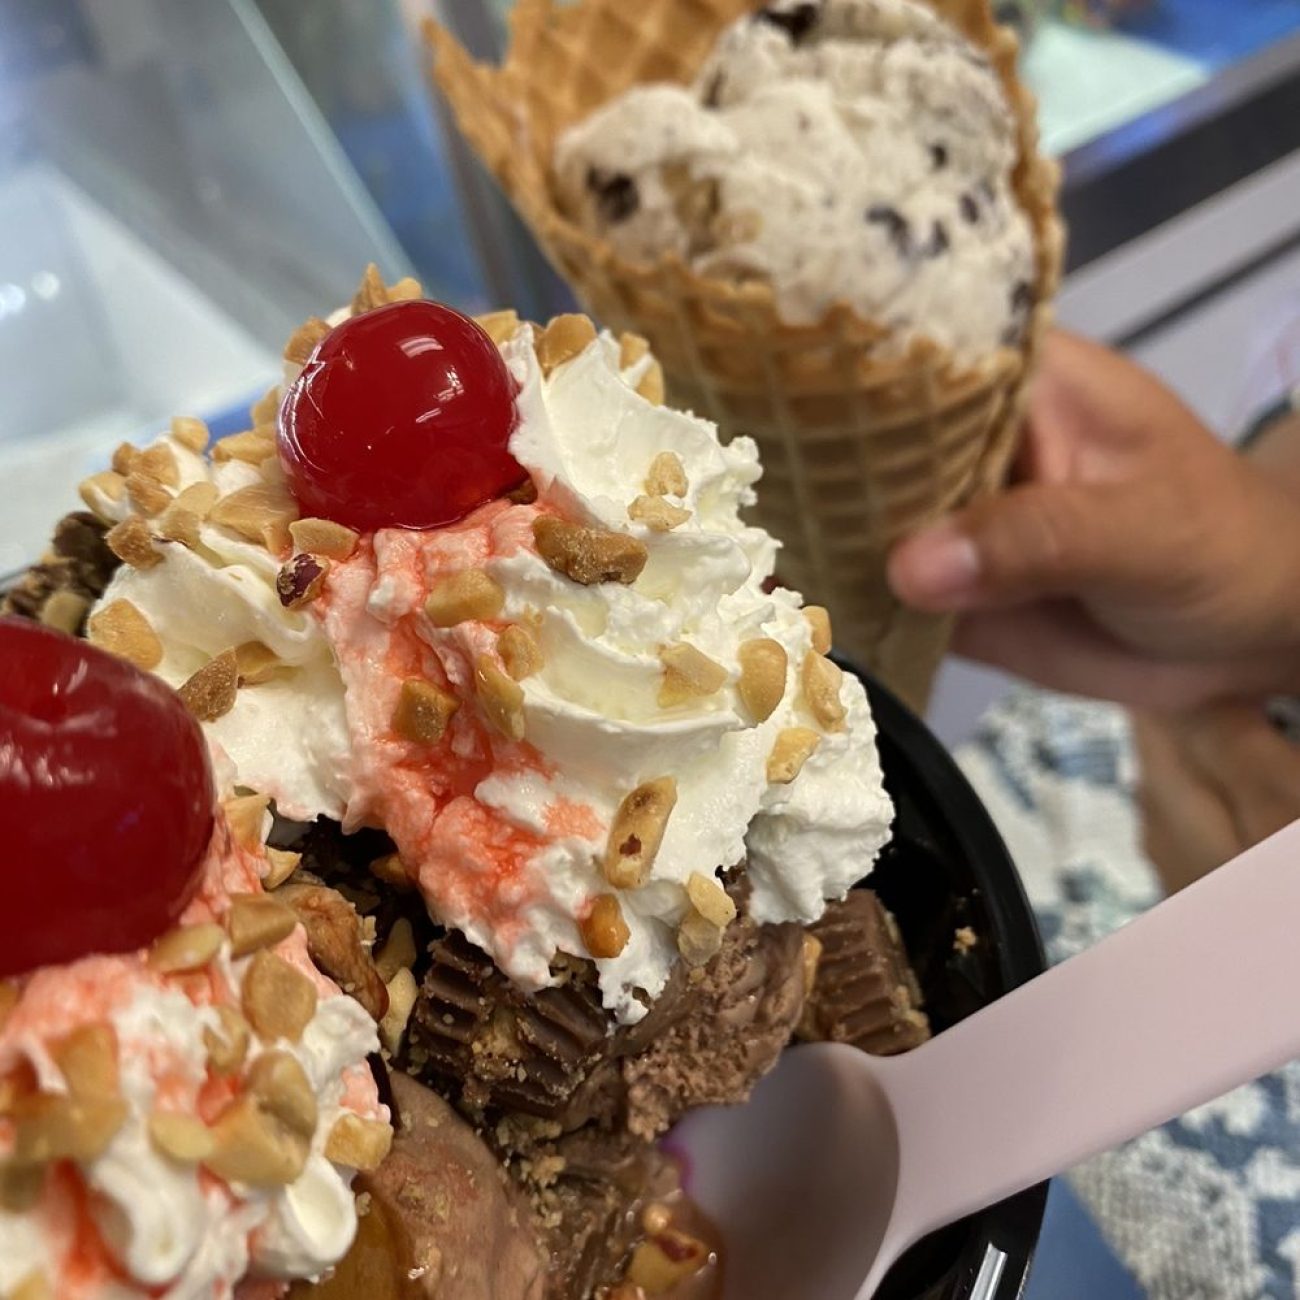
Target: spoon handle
1195 997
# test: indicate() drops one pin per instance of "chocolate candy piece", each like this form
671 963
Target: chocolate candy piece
865 992
548 1054
79 563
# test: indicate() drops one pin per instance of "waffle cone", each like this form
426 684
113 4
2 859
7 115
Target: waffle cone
858 448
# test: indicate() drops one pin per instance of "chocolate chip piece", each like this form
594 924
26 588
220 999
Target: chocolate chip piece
1022 303
970 209
940 241
796 22
939 156
616 194
900 232
713 95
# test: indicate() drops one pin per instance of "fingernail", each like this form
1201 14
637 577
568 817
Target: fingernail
941 564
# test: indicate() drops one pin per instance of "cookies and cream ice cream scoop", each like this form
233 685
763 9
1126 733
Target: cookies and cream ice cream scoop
848 151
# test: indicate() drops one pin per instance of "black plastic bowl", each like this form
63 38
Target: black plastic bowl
946 868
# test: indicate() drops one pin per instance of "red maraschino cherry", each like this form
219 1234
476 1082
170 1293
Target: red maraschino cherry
106 801
400 419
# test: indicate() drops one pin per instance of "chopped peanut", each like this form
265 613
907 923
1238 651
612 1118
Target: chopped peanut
604 931
358 1143
589 555
657 514
122 630
423 711
192 434
689 675
257 921
278 1001
563 339
822 681
253 446
323 537
520 651
819 621
132 543
500 697
210 693
667 476
793 748
710 900
188 947
470 595
637 831
763 666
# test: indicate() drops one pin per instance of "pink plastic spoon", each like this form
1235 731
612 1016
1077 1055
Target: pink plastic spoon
842 1160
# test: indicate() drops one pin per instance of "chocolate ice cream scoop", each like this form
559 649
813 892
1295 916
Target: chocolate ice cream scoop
443 1218
556 1055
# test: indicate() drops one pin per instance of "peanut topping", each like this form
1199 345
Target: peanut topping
199 498
260 513
657 514
499 325
34 1286
257 663
710 900
124 458
358 1143
282 865
631 348
821 690
278 1000
500 697
666 1260
246 816
107 484
122 630
253 1147
604 931
147 493
589 555
228 1046
305 340
689 675
48 1128
407 289
471 595
563 339
253 446
637 832
188 947
651 386
793 748
132 543
763 665
176 524
266 410
210 693
399 952
301 580
391 872
182 1137
423 711
159 462
372 293
257 921
402 994
520 651
65 611
87 1058
667 476
323 537
698 940
192 434
281 1088
819 622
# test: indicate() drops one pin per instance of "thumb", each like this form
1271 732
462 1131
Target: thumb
1030 542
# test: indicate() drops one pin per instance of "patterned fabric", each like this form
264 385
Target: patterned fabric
1208 1207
